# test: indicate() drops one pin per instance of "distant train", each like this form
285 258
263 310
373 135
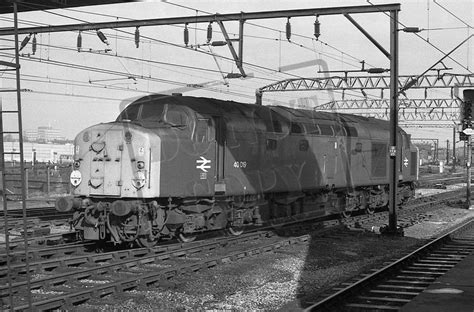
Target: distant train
173 166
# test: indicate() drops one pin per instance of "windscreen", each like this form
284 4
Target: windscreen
152 114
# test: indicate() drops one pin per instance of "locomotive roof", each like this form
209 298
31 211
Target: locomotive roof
218 107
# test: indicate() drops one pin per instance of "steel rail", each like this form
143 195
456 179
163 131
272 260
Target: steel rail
334 301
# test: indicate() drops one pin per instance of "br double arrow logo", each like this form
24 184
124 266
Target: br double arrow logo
203 164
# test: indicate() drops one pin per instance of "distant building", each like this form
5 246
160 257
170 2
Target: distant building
49 134
30 135
44 134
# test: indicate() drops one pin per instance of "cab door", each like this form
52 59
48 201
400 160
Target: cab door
205 156
220 142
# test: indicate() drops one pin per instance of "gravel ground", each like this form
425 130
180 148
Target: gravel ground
288 279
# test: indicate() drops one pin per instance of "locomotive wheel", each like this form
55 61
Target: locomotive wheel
235 231
370 210
145 241
346 214
186 238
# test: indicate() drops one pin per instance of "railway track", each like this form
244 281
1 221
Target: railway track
42 211
443 179
64 271
288 224
127 270
397 283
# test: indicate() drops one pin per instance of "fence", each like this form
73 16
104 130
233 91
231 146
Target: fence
42 180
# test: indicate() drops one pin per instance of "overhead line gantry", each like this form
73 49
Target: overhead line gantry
241 17
445 80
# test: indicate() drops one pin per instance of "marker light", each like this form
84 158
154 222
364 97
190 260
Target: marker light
140 165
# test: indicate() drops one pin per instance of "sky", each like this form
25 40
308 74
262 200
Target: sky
72 90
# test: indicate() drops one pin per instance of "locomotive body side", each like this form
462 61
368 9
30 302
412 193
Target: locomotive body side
173 166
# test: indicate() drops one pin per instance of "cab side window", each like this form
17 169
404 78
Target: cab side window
152 112
130 113
176 116
202 130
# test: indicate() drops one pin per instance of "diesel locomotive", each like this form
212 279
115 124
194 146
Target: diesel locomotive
172 166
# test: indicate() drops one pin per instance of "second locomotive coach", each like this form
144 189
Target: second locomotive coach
171 166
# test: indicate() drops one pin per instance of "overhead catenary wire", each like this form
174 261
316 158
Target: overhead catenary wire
228 59
431 44
168 43
452 14
204 69
266 27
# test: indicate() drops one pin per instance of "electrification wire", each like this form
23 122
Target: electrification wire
246 35
438 49
175 45
168 43
452 14
127 75
139 60
68 82
200 29
250 36
444 28
268 28
322 53
178 46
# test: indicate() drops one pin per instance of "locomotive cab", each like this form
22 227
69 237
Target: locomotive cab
123 168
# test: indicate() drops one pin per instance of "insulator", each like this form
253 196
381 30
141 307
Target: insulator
233 75
317 28
25 42
411 29
376 70
209 32
219 43
102 37
288 29
33 44
79 42
137 37
186 34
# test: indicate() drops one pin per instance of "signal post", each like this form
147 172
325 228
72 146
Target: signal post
466 134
